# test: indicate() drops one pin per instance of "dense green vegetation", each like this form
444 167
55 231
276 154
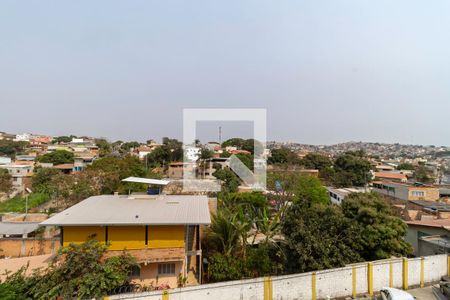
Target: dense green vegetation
17 204
170 151
5 181
405 166
104 176
244 237
57 157
11 148
77 272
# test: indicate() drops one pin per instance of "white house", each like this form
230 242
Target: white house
24 137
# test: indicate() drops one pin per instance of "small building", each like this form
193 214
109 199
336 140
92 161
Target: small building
419 229
176 169
5 160
434 244
161 231
24 137
40 140
384 168
21 175
338 195
17 229
82 160
393 176
208 166
407 192
65 168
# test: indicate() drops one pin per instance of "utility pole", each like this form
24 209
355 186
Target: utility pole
26 205
220 135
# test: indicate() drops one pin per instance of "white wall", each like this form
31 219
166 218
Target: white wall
329 283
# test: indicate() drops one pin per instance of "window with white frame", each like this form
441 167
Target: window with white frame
166 269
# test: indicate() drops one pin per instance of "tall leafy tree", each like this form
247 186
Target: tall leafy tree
230 182
379 233
405 166
318 237
12 148
351 169
57 157
5 181
283 156
78 271
316 161
310 190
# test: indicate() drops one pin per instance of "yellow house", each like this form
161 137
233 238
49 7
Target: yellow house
161 231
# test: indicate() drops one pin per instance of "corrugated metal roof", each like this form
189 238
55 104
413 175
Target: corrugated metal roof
18 228
138 210
146 180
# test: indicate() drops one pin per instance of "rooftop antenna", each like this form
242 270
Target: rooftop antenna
220 135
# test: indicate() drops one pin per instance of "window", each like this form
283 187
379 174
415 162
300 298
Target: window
135 271
418 193
166 269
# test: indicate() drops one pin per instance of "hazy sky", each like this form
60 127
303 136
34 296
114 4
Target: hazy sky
327 71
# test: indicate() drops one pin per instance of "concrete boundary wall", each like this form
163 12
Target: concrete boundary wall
358 279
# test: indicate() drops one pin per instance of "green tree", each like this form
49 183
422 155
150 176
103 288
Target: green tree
170 151
41 180
104 147
351 169
224 234
57 157
63 139
317 238
405 166
233 142
78 271
230 182
5 181
12 148
283 156
310 190
296 187
126 147
421 174
246 159
206 153
110 170
378 233
316 161
223 268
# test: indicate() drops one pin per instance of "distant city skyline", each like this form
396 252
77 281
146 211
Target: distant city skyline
326 71
224 138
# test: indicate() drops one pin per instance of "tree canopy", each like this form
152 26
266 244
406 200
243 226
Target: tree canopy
11 148
322 237
170 151
351 169
57 157
78 271
405 166
316 161
283 156
5 181
379 234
